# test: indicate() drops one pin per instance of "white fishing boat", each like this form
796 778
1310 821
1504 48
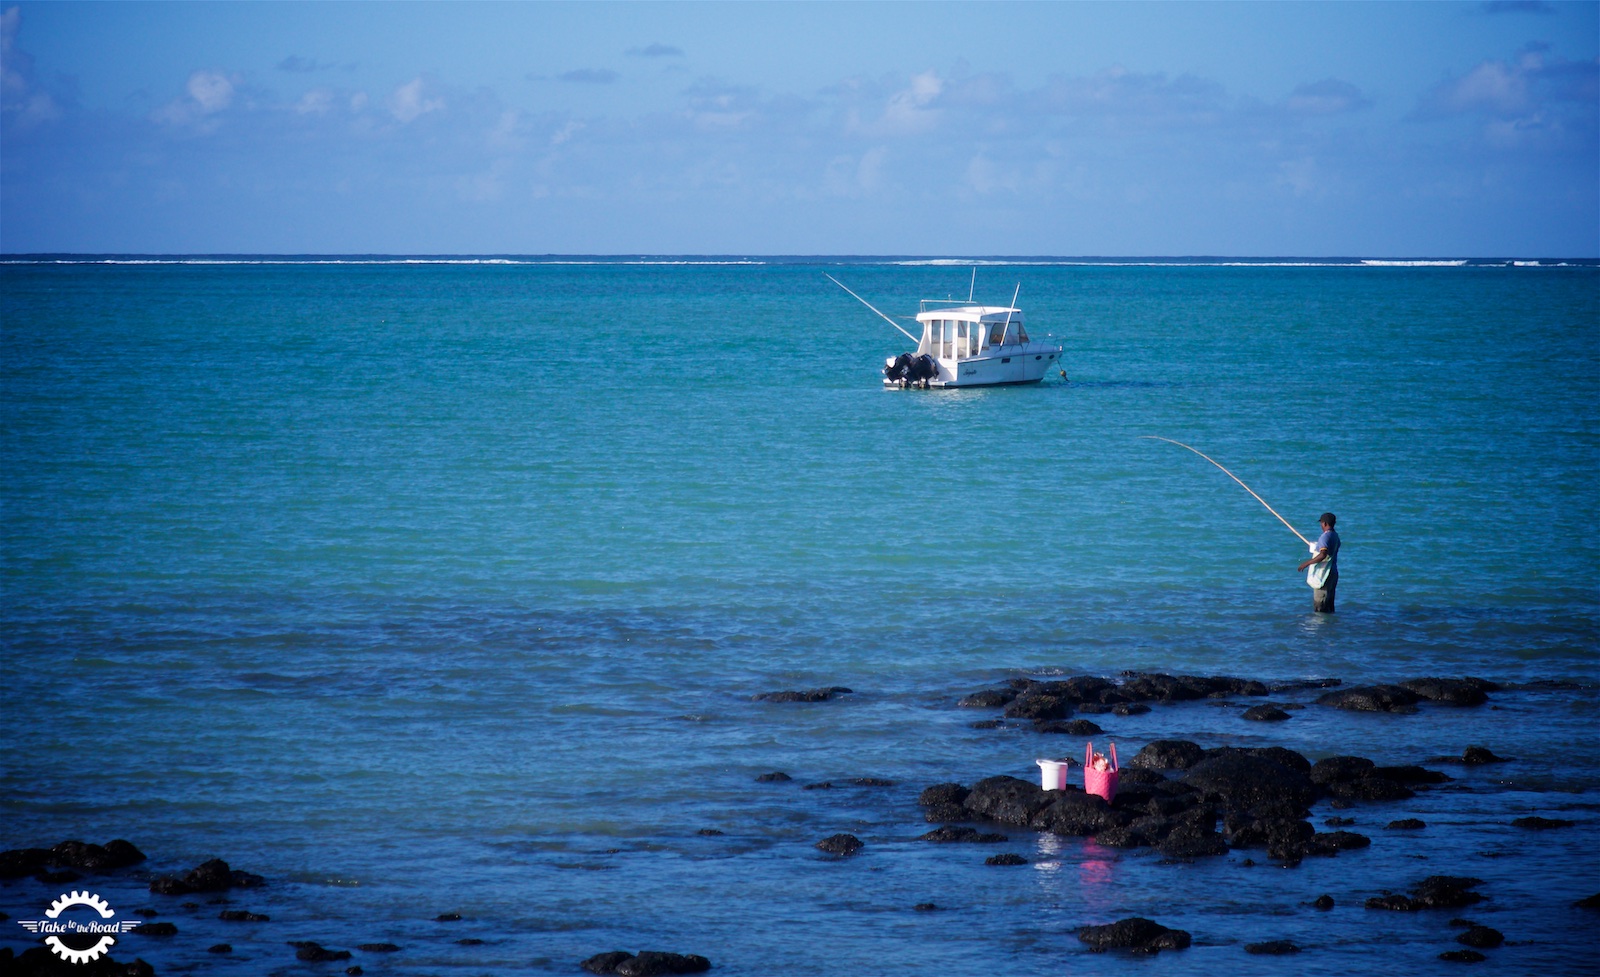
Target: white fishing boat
967 345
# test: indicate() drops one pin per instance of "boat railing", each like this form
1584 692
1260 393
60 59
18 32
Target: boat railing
930 305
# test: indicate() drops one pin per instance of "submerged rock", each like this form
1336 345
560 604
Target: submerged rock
1482 937
21 862
1451 691
1433 892
950 834
212 876
1007 858
1273 948
1480 754
1373 698
841 844
1265 713
808 695
645 963
1136 933
1542 824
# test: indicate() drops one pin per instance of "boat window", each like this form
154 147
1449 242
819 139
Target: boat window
961 340
995 330
1022 334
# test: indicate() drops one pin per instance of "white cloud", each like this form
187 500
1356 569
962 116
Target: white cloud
206 94
908 111
19 99
318 101
409 102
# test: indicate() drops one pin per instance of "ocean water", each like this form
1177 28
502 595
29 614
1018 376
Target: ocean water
426 587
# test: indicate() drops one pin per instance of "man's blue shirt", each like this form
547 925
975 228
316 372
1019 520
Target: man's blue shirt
1329 540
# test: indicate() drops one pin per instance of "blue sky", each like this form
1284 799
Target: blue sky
1310 129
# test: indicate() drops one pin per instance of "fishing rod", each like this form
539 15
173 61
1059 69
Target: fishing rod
870 306
1236 478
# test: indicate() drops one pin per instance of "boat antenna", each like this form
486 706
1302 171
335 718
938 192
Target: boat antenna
870 306
1231 475
1013 308
973 288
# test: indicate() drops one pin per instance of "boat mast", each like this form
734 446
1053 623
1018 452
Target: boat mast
869 305
1013 308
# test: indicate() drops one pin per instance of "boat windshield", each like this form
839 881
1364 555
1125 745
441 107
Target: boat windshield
1001 334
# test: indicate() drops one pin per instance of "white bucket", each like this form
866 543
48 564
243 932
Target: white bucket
1053 774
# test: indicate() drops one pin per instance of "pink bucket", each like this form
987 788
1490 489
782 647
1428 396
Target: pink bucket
1102 782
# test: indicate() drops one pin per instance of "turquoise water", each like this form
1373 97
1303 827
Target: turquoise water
437 587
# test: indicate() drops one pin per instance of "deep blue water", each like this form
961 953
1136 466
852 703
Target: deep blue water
445 587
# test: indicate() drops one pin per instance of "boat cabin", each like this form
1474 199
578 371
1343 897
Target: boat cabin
970 330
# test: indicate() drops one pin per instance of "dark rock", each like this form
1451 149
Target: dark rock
156 929
1588 902
94 858
1407 824
1191 841
22 862
1072 727
1339 822
988 699
220 948
1372 698
840 844
353 971
1334 841
1542 824
1072 812
1370 789
1277 754
1304 684
775 777
1007 858
317 953
1037 706
1463 956
212 876
1129 709
41 961
1266 713
655 963
378 948
1449 691
939 813
1273 948
646 963
447 918
469 941
925 907
1245 781
1433 892
824 785
951 834
1168 755
987 724
872 782
709 833
1136 933
1410 774
1480 754
943 794
241 916
1323 902
808 695
1339 769
605 963
1482 938
1008 799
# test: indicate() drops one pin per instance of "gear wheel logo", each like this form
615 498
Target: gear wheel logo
55 926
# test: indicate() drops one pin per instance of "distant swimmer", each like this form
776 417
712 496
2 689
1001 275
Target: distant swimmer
1323 575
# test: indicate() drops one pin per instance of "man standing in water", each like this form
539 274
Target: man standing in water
1325 558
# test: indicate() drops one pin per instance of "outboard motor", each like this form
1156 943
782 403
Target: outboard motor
922 369
896 367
